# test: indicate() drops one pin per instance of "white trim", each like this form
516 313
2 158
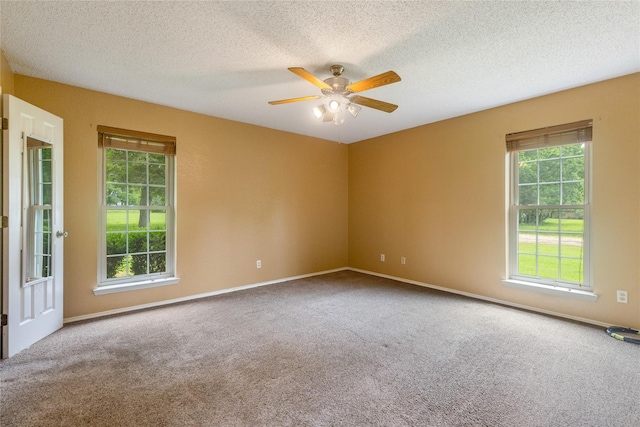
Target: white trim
192 297
483 298
386 276
551 290
133 286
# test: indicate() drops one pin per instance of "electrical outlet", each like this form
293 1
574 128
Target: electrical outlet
622 296
403 260
258 264
382 257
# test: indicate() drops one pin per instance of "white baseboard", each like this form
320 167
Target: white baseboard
271 282
193 297
483 298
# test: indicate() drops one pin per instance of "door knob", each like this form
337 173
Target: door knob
62 234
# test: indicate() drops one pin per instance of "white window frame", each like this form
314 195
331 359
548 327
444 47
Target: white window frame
108 286
583 290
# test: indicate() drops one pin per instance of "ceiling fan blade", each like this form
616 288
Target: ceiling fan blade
286 101
373 103
375 81
309 77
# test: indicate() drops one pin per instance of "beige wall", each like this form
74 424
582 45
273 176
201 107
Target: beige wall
437 195
243 193
6 76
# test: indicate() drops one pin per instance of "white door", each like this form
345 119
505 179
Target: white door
34 238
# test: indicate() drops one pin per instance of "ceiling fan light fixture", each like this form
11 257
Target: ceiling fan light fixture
334 105
319 111
328 116
338 119
353 109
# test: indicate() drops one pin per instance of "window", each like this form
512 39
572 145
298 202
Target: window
549 211
39 211
137 218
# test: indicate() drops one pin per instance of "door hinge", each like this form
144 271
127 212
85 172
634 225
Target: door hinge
5 123
4 320
5 221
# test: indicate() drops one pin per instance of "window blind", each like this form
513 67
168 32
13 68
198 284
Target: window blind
110 137
570 133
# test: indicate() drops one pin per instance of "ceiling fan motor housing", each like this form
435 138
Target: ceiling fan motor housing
338 84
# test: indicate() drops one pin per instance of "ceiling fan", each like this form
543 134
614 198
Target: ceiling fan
340 91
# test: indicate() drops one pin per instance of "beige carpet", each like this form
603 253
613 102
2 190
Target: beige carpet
343 349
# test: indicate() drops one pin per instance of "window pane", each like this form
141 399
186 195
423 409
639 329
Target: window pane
116 243
46 177
539 243
114 155
543 218
116 194
548 220
573 169
46 170
528 173
116 220
137 173
548 244
157 241
117 172
158 159
39 245
158 220
549 153
573 193
571 269
137 242
136 157
157 196
527 219
548 267
573 150
527 242
137 195
134 223
46 194
46 266
572 221
549 194
115 267
143 219
527 264
46 220
126 269
46 154
156 174
528 195
157 263
549 170
572 247
524 156
139 264
46 166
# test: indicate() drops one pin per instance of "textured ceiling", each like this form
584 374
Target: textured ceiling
227 59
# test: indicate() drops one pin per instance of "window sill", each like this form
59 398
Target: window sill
551 290
133 286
